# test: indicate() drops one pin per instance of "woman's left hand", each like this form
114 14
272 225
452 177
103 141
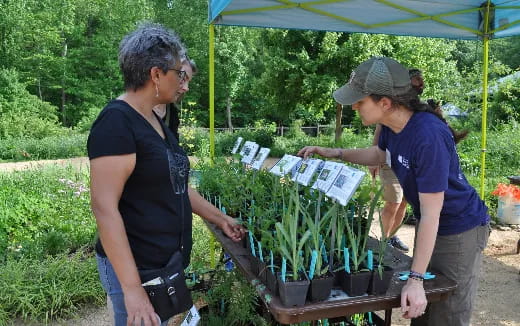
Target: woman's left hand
232 228
413 299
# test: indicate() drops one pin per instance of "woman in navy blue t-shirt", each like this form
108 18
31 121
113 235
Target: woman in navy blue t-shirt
139 177
418 145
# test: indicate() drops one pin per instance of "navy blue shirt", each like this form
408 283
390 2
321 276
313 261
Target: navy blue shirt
424 158
154 205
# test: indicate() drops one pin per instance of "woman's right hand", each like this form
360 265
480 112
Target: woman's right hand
139 309
322 151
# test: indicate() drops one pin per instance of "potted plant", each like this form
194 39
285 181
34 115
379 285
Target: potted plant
382 274
320 275
354 279
293 291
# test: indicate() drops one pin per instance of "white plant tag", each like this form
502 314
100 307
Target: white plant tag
327 176
285 165
305 170
346 184
237 145
192 317
250 149
260 158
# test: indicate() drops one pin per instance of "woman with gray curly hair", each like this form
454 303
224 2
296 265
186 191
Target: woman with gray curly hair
139 178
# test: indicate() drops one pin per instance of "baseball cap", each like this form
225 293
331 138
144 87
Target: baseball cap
377 75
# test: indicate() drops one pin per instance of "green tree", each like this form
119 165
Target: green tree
24 114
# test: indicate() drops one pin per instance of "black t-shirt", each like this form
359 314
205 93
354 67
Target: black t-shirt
154 204
172 119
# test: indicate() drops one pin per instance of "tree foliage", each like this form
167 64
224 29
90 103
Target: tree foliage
64 52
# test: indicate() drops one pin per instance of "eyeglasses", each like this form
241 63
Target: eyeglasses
180 73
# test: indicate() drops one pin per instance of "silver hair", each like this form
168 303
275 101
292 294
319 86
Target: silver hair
150 45
188 61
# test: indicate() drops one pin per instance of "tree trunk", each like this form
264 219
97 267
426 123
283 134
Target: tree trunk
228 113
40 88
339 129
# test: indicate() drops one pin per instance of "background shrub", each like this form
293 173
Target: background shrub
54 147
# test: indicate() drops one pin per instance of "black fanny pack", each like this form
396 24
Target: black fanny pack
166 288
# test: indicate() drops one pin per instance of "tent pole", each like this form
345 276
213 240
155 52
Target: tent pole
485 64
212 91
484 116
212 262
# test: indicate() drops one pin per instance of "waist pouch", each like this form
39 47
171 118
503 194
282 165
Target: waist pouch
167 288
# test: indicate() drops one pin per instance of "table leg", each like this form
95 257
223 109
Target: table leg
388 317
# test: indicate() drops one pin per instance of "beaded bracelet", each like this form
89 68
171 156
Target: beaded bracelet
416 276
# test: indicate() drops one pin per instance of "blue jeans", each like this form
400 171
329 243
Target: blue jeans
113 289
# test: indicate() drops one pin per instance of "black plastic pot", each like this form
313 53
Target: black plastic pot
376 320
262 271
293 293
320 287
272 282
355 284
254 262
380 285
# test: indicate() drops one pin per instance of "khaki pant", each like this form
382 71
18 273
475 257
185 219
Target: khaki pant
392 191
457 257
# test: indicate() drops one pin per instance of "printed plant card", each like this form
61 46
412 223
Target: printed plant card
260 158
285 165
242 151
237 145
250 149
305 170
327 176
346 184
192 318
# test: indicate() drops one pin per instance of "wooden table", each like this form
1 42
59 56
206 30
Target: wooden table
436 290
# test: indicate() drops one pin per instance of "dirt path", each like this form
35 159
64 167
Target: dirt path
498 298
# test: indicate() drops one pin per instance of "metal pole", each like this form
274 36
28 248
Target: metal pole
485 63
212 262
212 91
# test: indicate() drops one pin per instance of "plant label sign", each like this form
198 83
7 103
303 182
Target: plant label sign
346 184
242 150
237 145
304 171
285 165
250 149
192 318
260 158
327 176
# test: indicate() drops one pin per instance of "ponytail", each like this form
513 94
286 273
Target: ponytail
412 102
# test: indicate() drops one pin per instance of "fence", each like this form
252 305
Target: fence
309 130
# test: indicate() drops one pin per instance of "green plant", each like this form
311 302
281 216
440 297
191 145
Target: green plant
231 301
288 234
319 231
357 239
46 212
66 145
42 290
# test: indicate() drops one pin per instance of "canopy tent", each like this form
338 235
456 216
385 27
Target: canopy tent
463 19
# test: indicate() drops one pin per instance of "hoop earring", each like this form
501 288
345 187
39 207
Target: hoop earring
156 91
